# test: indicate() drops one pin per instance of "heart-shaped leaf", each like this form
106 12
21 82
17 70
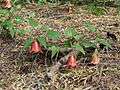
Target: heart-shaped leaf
89 26
28 43
54 35
20 32
55 50
33 22
42 41
7 24
70 32
79 48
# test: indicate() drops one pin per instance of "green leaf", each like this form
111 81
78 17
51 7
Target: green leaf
77 37
42 41
70 32
33 22
41 2
15 1
18 19
7 24
4 12
12 32
104 42
79 48
28 30
21 32
27 43
55 50
13 10
88 44
32 14
96 10
67 43
54 35
89 26
45 28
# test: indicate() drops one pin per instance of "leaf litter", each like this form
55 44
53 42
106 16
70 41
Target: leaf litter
17 72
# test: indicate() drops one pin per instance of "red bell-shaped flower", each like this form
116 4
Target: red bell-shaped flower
35 47
7 4
71 62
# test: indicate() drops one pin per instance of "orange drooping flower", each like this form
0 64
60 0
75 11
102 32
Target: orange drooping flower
7 4
95 59
71 62
35 47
